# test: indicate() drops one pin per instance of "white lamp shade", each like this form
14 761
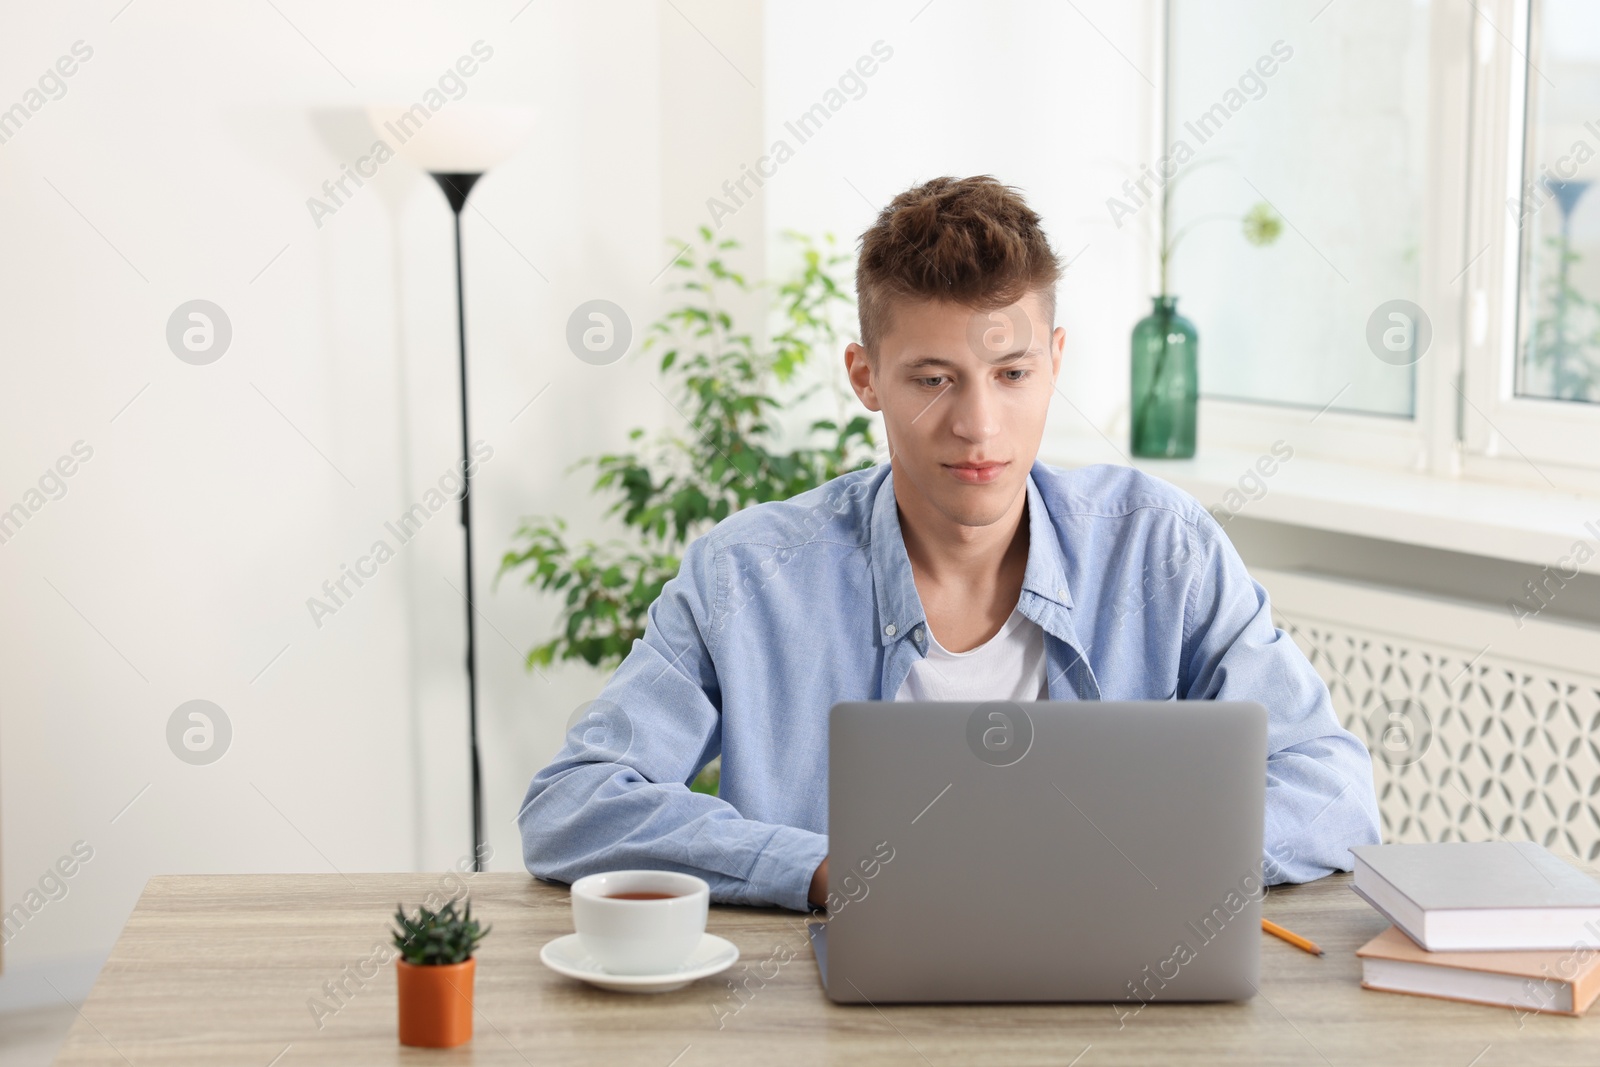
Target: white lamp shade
459 138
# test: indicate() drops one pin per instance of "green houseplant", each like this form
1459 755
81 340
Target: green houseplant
733 442
434 974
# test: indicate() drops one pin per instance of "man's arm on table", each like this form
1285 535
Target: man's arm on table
1320 798
616 796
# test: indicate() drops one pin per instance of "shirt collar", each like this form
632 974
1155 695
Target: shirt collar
1046 574
900 607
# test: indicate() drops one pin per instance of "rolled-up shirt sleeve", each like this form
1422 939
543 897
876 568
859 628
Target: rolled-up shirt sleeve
617 795
1320 796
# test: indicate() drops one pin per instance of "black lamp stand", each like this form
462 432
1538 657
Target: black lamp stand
456 189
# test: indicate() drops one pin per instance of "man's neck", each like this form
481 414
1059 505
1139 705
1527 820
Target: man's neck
951 555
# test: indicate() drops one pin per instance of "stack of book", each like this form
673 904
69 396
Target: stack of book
1504 923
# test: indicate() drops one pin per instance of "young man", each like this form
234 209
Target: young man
960 570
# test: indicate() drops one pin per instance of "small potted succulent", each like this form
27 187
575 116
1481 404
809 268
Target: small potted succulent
434 974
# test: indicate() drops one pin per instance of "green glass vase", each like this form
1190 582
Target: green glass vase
1166 382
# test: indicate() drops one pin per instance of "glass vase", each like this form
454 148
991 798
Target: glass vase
1166 382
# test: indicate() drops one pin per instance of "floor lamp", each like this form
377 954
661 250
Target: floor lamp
456 147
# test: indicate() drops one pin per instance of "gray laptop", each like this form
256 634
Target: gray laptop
1051 851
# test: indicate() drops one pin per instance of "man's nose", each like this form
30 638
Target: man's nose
976 414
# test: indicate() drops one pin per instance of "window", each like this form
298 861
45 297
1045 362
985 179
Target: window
1442 154
1530 396
1334 140
1559 306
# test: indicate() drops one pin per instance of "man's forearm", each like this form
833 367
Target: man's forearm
570 808
1320 802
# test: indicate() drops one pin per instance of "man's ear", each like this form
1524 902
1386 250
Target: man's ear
859 368
1058 344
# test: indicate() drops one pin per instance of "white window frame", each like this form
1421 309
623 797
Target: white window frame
1504 436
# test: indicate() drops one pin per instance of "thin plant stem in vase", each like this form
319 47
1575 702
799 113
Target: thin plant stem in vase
1165 358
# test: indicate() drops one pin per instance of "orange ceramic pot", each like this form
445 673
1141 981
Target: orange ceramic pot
435 1003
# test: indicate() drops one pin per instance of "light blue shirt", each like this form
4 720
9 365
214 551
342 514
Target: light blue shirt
786 608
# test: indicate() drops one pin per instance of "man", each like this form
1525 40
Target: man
960 570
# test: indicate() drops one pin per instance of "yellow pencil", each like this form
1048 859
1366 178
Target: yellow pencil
1290 936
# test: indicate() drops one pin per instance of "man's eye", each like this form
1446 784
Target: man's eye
932 383
1016 375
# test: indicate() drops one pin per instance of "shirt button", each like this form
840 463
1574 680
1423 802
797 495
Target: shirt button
1062 593
889 630
917 633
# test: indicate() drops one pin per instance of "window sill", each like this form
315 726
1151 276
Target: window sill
1519 524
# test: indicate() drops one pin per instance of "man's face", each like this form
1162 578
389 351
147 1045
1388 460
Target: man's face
964 396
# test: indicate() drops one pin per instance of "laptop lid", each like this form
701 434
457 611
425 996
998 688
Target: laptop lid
1045 851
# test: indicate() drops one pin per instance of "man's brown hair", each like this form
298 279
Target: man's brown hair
972 241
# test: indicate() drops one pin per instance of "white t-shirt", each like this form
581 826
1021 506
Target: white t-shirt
1008 666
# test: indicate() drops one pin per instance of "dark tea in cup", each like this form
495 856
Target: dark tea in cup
640 896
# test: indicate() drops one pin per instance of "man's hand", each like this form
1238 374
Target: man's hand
819 885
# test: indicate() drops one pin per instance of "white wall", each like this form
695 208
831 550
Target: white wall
177 566
181 158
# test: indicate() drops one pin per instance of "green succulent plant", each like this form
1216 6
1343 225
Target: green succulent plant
440 937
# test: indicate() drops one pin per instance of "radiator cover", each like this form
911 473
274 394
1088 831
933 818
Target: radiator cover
1480 729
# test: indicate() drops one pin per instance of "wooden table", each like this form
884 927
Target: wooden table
225 970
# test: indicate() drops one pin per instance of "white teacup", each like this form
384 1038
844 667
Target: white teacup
640 936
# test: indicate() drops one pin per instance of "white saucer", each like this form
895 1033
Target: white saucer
712 955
